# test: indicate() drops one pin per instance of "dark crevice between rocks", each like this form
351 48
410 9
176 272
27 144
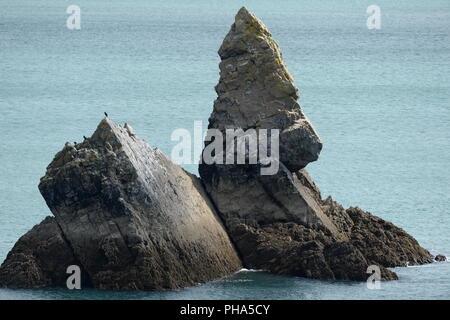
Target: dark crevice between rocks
224 223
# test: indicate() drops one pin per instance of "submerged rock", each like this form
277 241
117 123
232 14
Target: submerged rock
128 216
440 258
280 222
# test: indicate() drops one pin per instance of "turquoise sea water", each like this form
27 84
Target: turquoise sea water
379 99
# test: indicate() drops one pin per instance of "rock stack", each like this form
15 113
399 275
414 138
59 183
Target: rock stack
127 216
280 222
133 220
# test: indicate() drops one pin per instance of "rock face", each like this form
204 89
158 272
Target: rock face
255 90
280 222
39 258
128 216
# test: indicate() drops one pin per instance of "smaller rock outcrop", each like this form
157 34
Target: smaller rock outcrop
125 214
440 258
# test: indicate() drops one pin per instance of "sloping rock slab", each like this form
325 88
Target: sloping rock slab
132 218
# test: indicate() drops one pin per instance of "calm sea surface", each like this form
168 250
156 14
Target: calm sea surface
379 99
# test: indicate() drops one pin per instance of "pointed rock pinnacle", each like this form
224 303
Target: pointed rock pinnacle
255 90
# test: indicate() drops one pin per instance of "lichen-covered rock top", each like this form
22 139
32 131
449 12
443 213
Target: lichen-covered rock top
128 216
255 90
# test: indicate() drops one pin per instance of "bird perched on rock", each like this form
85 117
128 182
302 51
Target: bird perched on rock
84 137
106 115
129 129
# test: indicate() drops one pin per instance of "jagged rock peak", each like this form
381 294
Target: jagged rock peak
249 35
280 222
255 90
